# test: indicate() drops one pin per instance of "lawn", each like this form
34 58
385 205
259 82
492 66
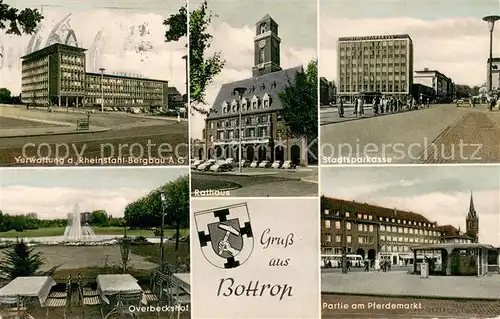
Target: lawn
59 231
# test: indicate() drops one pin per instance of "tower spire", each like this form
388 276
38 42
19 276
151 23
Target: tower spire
472 211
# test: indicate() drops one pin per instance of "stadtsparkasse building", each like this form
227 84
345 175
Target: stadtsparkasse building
263 129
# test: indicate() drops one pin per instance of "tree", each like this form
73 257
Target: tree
202 68
300 99
99 218
177 193
18 22
5 96
20 260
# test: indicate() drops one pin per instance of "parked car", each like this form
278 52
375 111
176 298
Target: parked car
206 165
224 167
254 164
277 164
265 164
245 163
287 165
230 161
196 163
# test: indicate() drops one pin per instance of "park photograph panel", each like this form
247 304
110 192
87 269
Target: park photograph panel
94 243
402 82
245 257
254 123
107 93
410 241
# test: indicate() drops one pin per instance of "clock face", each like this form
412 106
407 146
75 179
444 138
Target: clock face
262 43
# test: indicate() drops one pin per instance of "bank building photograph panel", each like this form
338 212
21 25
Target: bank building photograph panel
417 237
255 131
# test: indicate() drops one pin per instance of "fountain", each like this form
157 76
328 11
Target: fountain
75 231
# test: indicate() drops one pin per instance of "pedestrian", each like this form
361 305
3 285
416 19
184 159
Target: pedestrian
375 106
389 264
348 265
377 265
383 104
341 108
367 265
492 103
355 107
361 106
427 102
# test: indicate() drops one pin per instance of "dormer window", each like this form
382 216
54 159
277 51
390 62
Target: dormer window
266 100
263 28
244 104
255 102
234 106
224 107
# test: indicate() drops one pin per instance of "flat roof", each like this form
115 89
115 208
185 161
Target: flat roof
124 77
376 37
52 49
452 245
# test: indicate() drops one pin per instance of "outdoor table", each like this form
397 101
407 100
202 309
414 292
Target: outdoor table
109 285
36 286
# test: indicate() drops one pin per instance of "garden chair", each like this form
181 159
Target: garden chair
127 299
85 291
180 297
53 303
13 313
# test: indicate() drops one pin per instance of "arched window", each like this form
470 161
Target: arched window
266 100
255 102
224 107
262 56
263 28
234 106
244 104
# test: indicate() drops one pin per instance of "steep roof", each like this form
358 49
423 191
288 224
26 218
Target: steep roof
374 210
449 230
270 83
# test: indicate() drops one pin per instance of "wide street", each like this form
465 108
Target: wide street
442 133
356 306
258 182
129 139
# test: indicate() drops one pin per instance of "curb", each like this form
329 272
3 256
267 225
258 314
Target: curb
309 181
56 133
408 296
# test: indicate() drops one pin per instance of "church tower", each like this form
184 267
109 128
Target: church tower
266 47
472 222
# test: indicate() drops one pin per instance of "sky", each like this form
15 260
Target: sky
447 35
234 30
440 193
53 193
145 55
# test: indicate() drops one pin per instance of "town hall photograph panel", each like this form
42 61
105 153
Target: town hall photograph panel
396 86
416 241
111 92
253 98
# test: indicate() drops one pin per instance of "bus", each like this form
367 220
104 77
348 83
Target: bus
335 261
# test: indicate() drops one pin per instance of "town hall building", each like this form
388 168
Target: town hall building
255 101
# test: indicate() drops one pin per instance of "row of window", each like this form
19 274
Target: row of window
365 216
33 64
251 132
126 95
395 44
381 88
383 228
73 59
371 240
380 78
36 79
249 120
44 70
254 104
124 82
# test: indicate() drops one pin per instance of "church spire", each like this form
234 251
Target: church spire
472 211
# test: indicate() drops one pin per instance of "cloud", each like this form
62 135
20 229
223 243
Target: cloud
237 47
57 202
121 42
457 47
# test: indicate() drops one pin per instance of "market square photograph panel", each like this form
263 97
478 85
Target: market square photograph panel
423 239
109 92
405 82
94 242
254 122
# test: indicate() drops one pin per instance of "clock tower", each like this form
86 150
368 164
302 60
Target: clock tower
266 47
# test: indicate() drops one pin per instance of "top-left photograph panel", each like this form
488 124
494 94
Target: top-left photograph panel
93 83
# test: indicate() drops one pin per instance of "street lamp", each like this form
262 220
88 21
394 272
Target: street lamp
187 87
163 198
102 89
491 25
239 90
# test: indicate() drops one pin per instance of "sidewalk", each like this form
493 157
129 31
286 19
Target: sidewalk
41 131
402 284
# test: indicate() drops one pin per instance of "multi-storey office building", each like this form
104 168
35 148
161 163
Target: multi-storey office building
56 75
374 65
125 91
442 85
372 231
263 132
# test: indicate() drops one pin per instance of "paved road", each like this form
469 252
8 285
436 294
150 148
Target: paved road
364 307
440 134
137 142
329 115
362 269
284 184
